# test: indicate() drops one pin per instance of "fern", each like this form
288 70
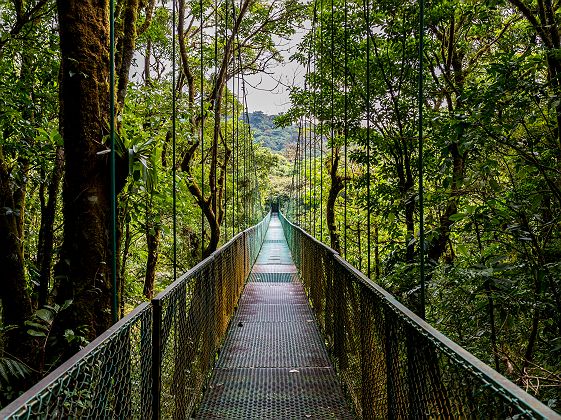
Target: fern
10 370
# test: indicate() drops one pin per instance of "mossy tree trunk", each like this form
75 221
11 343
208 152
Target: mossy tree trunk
83 273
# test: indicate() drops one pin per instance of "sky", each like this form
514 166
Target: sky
265 93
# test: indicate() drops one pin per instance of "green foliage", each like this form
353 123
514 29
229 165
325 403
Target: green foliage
268 134
491 159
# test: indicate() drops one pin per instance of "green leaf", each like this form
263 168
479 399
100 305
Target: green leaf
45 314
35 333
36 325
462 250
457 217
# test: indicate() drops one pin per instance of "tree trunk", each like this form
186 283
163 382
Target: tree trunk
83 272
438 248
334 190
46 231
125 50
123 263
16 302
152 242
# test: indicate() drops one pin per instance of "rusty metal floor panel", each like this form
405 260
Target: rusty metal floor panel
274 364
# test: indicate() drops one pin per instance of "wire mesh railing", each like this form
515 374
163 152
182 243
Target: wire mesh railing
154 362
392 363
190 320
109 378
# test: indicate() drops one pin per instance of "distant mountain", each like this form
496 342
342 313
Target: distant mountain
268 135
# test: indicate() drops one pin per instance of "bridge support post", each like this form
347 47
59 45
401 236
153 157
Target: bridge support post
340 316
416 376
145 365
369 386
392 360
156 357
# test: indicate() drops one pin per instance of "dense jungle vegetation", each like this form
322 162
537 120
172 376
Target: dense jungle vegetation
492 144
55 222
268 134
492 154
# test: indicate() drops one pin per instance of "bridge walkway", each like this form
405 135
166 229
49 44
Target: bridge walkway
274 363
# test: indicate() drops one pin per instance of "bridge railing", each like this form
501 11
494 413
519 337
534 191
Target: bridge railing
392 363
190 321
154 362
109 378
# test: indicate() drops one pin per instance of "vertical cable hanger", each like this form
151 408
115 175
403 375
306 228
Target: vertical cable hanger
112 158
420 129
345 123
226 128
367 20
321 124
311 174
292 197
313 130
332 99
299 172
244 179
308 132
234 166
244 139
255 189
236 55
202 134
214 165
305 177
238 204
257 193
174 134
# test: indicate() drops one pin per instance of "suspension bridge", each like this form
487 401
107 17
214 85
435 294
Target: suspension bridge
273 325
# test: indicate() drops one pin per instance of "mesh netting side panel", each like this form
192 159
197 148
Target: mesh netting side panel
195 314
113 376
392 364
110 378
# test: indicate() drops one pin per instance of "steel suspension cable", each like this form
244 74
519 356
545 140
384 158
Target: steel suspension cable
244 139
174 135
251 151
313 210
367 20
240 220
226 128
420 169
292 197
236 55
345 122
112 161
214 157
299 172
331 61
321 125
313 131
202 134
310 114
234 167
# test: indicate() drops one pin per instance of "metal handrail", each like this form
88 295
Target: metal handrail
120 373
477 375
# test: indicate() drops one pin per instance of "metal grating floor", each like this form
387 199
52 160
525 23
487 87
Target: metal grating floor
273 277
274 364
